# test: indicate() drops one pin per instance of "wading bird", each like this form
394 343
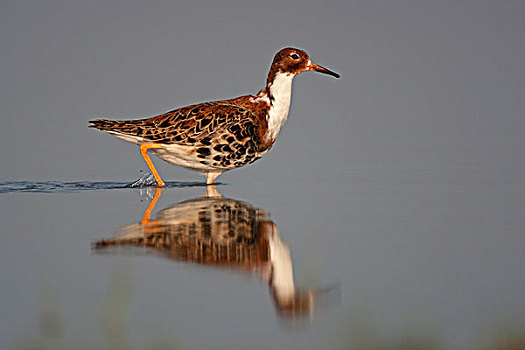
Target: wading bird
213 137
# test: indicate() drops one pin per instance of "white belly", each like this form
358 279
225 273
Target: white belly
184 156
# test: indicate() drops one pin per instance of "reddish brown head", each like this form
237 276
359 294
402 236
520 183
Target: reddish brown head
295 61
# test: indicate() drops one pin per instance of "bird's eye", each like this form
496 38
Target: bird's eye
294 56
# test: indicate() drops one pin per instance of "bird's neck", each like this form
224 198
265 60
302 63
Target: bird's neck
278 95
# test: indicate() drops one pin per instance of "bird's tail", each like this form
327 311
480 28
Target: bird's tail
128 130
106 125
123 127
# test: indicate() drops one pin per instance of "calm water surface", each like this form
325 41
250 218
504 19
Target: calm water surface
382 256
389 214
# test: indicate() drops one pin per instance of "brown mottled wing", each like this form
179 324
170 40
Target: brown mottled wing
224 135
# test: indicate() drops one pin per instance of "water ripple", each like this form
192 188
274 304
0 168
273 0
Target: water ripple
79 186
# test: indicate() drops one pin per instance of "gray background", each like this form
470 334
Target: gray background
442 80
403 180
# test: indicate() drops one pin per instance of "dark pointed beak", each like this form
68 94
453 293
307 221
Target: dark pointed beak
314 67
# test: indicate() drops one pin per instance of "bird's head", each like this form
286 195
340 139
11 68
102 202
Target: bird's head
295 61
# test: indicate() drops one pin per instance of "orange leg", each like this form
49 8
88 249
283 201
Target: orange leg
211 176
151 205
144 152
153 226
211 191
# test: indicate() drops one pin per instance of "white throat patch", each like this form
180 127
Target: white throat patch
281 90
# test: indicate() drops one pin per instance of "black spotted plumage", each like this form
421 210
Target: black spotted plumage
213 137
214 129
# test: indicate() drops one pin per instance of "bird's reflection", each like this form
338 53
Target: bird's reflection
221 232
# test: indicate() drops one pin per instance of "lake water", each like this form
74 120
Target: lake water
383 256
389 214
